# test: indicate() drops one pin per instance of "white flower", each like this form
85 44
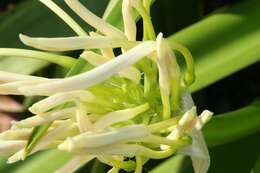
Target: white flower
122 108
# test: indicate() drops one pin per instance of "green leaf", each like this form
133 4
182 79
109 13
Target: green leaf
36 135
232 126
113 13
42 162
224 42
256 168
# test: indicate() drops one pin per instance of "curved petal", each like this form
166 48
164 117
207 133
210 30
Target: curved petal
94 76
74 43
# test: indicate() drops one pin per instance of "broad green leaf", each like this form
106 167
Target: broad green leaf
172 165
224 42
256 168
232 126
43 162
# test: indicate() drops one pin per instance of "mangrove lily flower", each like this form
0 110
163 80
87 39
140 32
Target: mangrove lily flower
128 108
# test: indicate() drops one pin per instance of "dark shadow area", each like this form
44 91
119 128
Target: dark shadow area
231 93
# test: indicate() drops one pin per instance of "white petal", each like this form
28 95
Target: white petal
94 20
59 133
106 52
186 120
13 77
64 16
203 119
95 59
17 156
198 152
99 139
198 149
96 75
74 43
45 118
119 116
16 134
83 121
12 88
129 21
9 147
60 98
74 164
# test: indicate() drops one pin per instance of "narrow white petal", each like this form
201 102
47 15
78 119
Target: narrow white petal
106 52
64 16
119 116
13 77
203 119
98 139
74 43
45 118
60 98
96 75
129 21
164 78
12 88
16 134
94 20
16 157
74 164
187 118
83 121
9 147
59 133
95 59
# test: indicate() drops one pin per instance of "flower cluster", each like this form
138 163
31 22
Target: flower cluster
130 105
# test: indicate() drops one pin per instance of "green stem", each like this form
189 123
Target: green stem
189 77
